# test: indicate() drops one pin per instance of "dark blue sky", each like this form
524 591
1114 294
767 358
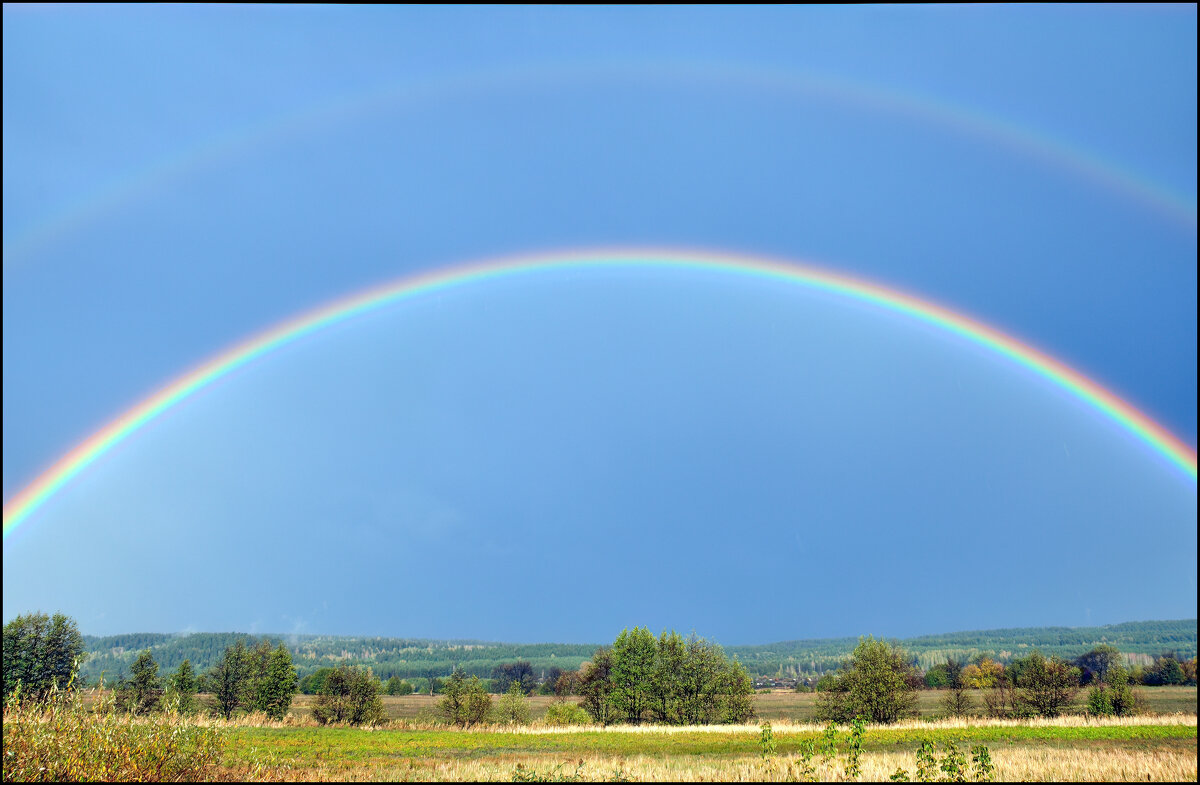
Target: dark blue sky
557 458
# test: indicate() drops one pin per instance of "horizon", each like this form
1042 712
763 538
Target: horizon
285 636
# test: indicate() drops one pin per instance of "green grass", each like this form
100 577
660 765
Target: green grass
307 744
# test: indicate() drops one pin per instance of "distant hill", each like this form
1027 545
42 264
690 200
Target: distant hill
1142 640
418 658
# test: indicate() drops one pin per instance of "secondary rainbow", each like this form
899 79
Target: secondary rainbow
28 500
135 184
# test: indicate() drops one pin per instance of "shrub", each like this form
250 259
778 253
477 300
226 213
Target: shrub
351 695
562 714
1047 685
877 682
513 706
464 702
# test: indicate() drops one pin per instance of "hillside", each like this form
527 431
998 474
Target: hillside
417 658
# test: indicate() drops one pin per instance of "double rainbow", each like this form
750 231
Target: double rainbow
27 501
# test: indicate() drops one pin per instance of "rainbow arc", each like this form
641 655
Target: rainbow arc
22 505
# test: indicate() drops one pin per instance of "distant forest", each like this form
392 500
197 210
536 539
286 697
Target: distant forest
413 658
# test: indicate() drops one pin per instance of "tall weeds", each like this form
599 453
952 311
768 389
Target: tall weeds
59 739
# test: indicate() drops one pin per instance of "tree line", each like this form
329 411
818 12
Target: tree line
420 660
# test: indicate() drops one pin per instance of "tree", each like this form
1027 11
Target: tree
142 691
1047 685
596 687
990 676
1094 665
520 671
350 695
957 701
1113 696
396 686
229 679
633 656
181 686
876 683
41 653
547 685
1165 670
313 682
936 677
513 706
566 684
275 684
465 702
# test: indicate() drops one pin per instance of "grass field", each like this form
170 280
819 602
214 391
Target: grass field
1151 748
776 706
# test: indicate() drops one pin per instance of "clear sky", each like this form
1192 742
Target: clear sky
560 456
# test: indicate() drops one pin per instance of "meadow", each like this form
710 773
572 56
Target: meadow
1152 748
775 706
1160 745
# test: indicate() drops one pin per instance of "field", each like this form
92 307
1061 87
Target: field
1154 749
1157 746
775 706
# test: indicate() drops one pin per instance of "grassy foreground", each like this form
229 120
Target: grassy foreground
84 740
1070 749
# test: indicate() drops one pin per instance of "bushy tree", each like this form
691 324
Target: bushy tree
1047 686
668 680
937 678
40 653
464 701
596 688
275 684
313 682
397 686
1113 696
566 684
142 691
513 706
504 674
181 687
229 680
549 679
1165 670
633 656
350 695
559 714
877 683
1094 665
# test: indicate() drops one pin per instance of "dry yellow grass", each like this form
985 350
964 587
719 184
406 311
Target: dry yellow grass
1018 765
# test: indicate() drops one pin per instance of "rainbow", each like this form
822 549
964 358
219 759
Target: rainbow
158 174
28 500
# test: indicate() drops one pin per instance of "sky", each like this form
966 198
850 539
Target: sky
557 456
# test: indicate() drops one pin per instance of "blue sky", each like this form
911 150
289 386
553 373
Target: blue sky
560 457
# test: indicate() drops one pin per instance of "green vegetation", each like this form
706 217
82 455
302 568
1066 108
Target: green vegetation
876 683
181 688
465 702
420 659
62 740
349 694
41 654
260 679
1045 686
668 681
141 693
